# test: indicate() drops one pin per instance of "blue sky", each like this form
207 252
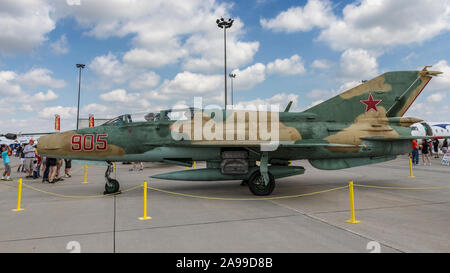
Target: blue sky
148 55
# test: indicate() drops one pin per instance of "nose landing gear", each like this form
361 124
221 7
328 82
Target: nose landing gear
112 185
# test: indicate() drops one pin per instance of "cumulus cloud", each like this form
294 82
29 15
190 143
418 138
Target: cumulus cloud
8 85
437 97
316 13
24 24
403 22
41 77
41 96
109 67
119 95
321 64
291 66
60 46
279 100
358 64
166 32
442 82
249 77
190 84
63 112
144 81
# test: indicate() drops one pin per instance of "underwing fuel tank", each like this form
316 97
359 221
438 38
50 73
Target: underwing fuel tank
215 174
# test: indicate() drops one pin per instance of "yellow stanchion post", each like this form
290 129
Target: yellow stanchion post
352 205
410 168
85 174
114 167
19 196
145 217
195 164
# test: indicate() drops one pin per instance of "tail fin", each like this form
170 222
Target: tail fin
388 95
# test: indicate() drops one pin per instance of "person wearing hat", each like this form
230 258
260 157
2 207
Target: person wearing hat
29 152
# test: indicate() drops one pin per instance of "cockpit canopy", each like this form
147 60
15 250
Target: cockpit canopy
164 115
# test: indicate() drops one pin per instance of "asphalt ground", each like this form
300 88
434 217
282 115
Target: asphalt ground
408 215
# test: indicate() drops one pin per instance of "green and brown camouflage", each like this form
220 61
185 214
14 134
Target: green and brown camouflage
361 126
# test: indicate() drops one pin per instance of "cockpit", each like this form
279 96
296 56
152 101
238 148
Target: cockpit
164 115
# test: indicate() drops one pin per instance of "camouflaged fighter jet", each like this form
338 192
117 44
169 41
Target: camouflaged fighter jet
361 126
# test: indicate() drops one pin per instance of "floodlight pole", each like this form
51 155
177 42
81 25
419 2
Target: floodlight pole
222 23
80 66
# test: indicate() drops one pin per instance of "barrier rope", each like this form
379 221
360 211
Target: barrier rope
79 196
75 196
246 199
401 188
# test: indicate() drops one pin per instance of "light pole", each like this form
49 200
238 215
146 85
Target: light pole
80 66
222 23
232 76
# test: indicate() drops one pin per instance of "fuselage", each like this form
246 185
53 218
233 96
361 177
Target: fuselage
155 141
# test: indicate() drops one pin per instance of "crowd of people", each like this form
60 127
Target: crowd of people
31 163
428 149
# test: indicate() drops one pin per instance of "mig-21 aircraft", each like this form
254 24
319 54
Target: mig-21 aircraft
361 126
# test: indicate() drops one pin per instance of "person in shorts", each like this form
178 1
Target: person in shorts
5 155
29 152
22 159
425 152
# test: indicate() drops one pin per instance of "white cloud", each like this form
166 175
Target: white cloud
319 93
41 96
441 82
316 13
437 97
280 100
144 81
119 95
8 87
143 58
321 64
60 46
291 66
378 23
191 84
64 112
166 32
24 25
41 77
109 67
358 64
249 77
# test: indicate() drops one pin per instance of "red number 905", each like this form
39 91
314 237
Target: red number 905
86 142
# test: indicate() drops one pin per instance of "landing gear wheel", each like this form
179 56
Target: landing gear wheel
112 186
258 187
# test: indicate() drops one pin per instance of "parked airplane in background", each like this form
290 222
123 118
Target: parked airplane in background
434 129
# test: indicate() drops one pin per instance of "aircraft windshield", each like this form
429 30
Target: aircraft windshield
165 115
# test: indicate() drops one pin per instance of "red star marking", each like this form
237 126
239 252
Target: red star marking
371 103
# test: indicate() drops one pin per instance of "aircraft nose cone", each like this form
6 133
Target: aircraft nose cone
44 144
51 144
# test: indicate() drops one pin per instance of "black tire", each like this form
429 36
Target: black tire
112 186
257 186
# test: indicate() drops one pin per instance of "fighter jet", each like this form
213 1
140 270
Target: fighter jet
364 125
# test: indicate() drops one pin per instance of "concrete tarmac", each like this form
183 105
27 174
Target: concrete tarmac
399 220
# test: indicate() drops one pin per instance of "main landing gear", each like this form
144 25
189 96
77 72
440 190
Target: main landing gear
261 182
112 185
